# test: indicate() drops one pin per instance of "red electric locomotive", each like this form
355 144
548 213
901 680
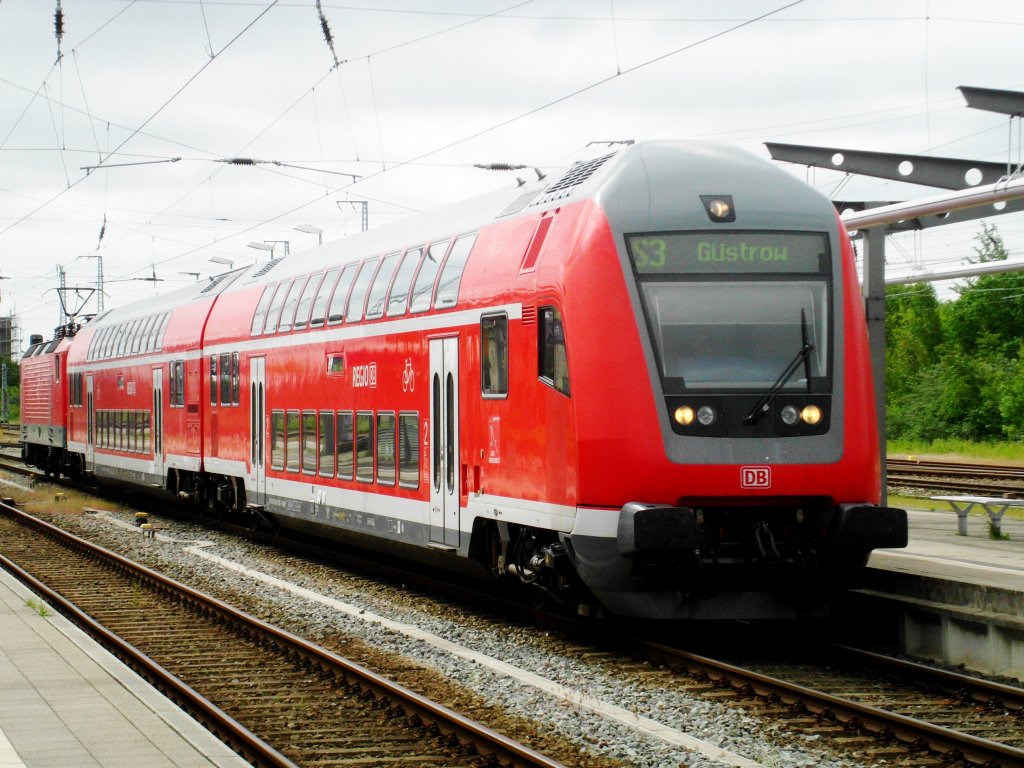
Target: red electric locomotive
44 395
645 383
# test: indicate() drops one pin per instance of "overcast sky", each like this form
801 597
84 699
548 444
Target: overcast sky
423 91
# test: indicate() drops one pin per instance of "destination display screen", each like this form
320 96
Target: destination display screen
716 253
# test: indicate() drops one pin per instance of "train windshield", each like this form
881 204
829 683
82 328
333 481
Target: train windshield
728 311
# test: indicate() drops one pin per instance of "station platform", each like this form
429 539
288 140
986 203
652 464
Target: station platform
949 597
936 550
65 701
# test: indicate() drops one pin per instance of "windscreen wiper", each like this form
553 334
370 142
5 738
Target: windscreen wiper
802 358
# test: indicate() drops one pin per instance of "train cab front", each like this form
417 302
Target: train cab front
753 477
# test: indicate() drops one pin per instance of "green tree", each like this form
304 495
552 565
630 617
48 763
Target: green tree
988 317
913 334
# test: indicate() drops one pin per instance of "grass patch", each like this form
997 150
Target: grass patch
959 450
53 499
41 608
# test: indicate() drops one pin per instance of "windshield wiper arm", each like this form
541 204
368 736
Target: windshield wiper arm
802 357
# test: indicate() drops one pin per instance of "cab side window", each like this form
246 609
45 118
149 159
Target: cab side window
494 356
552 362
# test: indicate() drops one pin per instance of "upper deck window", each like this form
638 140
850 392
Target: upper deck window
306 302
359 288
398 298
379 289
260 315
288 310
319 313
451 275
336 313
274 312
423 290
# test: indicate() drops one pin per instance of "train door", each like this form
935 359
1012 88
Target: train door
158 424
90 427
444 441
257 427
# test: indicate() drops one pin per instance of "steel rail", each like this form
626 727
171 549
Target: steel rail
945 741
506 752
983 691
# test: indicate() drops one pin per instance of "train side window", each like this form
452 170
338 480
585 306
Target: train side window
109 342
423 290
129 424
398 299
386 448
137 335
309 442
451 275
101 340
147 333
339 299
552 362
358 297
306 301
326 444
288 311
379 289
213 379
494 355
179 388
180 366
364 446
274 312
124 342
277 440
259 317
147 432
346 447
235 379
292 451
408 445
319 313
165 320
225 379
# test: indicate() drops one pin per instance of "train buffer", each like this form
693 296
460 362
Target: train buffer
994 506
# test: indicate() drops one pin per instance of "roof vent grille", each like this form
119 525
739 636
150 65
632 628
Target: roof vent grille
575 176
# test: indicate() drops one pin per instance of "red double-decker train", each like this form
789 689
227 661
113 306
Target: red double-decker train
643 385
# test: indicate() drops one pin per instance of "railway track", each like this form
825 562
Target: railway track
957 477
278 700
932 716
913 716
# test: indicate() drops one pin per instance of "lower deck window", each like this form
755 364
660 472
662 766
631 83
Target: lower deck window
364 446
326 444
386 448
277 440
408 446
346 446
292 448
309 443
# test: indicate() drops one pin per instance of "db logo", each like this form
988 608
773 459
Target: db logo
755 477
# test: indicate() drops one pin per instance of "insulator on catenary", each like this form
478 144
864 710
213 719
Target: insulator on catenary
241 161
58 26
326 28
499 166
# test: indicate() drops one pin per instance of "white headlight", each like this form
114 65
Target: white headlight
706 415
